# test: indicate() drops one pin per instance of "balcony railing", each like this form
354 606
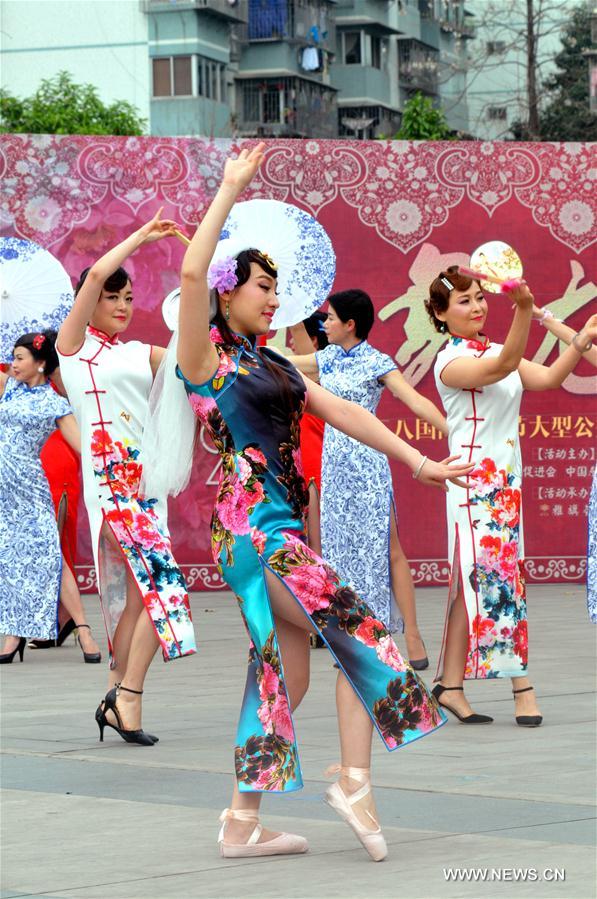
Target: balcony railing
286 20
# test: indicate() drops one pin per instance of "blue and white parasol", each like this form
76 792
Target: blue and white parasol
297 243
35 292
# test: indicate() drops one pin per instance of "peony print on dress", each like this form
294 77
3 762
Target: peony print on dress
498 575
147 549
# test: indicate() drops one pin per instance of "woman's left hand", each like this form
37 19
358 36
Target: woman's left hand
435 474
157 228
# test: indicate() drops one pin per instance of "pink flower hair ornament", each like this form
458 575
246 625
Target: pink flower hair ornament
221 275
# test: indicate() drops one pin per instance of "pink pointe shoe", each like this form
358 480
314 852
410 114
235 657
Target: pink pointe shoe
372 839
283 844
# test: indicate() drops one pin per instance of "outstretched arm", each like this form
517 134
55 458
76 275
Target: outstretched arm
548 377
72 331
470 372
360 424
197 355
566 333
418 404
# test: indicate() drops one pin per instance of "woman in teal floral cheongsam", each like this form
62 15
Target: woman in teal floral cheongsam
251 400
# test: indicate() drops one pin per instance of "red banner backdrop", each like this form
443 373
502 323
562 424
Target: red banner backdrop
397 212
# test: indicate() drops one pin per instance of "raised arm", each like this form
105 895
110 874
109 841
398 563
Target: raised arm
565 332
418 404
470 372
72 331
548 377
196 355
360 424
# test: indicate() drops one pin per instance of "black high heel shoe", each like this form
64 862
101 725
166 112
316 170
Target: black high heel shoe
64 632
90 657
420 664
7 657
527 720
474 718
129 736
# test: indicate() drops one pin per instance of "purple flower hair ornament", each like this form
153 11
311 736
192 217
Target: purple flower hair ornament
222 274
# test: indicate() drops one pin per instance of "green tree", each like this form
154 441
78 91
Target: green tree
59 106
422 121
566 115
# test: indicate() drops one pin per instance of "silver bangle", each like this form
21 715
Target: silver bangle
584 349
420 468
545 316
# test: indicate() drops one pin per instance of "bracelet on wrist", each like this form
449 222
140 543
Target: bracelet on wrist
581 349
546 315
419 468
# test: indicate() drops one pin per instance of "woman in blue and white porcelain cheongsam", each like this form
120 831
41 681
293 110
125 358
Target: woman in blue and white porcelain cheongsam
30 554
250 401
481 384
359 532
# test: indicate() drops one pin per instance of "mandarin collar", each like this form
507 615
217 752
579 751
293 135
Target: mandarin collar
240 340
354 350
471 343
102 335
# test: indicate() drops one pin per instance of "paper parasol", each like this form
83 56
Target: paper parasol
298 245
35 292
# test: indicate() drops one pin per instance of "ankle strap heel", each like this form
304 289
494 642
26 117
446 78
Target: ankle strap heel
128 690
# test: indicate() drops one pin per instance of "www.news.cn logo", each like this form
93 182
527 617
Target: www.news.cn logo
512 875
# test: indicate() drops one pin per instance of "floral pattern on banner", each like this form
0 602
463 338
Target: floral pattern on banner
498 576
44 193
563 196
133 170
488 171
402 196
314 172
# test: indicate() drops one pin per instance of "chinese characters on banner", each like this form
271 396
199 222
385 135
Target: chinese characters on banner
397 213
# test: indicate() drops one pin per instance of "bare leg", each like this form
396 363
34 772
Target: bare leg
293 628
404 591
123 634
524 703
455 657
314 520
70 598
356 730
10 643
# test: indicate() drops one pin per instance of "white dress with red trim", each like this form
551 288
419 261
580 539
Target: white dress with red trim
485 533
108 384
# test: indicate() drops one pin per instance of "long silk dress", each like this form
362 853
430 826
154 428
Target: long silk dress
258 528
485 534
30 557
108 384
357 498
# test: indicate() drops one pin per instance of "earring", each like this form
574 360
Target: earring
227 312
442 327
41 370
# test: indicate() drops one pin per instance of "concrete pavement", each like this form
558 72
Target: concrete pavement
113 821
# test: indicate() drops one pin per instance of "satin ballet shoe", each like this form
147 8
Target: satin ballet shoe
109 704
527 720
473 718
283 844
64 632
89 657
372 839
7 657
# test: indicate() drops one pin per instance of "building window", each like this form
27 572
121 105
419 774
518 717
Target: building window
189 76
496 47
352 48
497 113
172 76
211 79
376 51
